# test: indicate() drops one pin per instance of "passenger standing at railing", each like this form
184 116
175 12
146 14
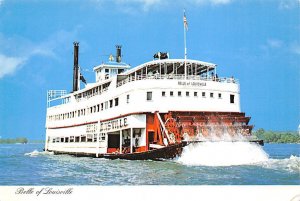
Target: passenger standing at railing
213 76
232 79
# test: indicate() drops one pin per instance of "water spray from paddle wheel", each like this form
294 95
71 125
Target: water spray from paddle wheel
208 126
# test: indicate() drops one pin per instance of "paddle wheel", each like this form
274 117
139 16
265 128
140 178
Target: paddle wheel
177 126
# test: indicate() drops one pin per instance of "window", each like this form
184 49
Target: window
110 103
211 95
231 98
163 93
77 139
149 95
187 93
116 101
102 106
220 95
106 104
90 138
127 99
179 93
171 93
203 94
83 139
98 108
195 93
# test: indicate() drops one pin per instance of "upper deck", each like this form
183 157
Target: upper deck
114 74
178 69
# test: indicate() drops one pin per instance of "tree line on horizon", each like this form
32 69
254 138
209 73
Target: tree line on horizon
277 136
22 140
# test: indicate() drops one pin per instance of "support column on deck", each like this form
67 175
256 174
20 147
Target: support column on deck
131 141
97 146
121 141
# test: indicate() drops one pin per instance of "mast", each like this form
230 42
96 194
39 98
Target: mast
185 28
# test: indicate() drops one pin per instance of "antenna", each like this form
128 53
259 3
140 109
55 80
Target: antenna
185 28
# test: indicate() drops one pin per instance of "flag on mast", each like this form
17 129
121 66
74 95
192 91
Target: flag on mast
185 21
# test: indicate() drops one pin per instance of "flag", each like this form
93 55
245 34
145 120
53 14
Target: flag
82 78
185 21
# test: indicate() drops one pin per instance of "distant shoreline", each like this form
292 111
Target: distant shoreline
19 140
287 137
277 136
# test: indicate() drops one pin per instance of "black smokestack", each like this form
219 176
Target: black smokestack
118 55
76 67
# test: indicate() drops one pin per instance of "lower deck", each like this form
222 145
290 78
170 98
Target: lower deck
146 132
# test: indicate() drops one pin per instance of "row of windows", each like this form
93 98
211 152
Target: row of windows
82 138
187 94
92 92
90 110
179 93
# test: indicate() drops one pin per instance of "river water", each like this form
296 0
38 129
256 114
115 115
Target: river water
222 163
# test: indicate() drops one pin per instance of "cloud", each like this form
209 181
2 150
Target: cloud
211 2
8 65
131 6
286 47
16 51
295 48
274 43
288 4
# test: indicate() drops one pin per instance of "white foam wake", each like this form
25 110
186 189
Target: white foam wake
222 153
37 153
291 164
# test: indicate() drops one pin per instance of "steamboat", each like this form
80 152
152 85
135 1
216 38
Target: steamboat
150 111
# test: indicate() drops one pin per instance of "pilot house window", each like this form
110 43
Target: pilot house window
149 95
127 98
116 101
231 98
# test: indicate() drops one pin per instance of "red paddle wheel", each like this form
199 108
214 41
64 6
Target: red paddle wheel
179 124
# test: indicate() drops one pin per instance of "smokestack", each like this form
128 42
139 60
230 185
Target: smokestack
76 67
118 55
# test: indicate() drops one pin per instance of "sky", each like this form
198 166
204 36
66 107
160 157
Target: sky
257 42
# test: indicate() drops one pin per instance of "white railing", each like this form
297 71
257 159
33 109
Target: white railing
175 77
86 97
55 95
